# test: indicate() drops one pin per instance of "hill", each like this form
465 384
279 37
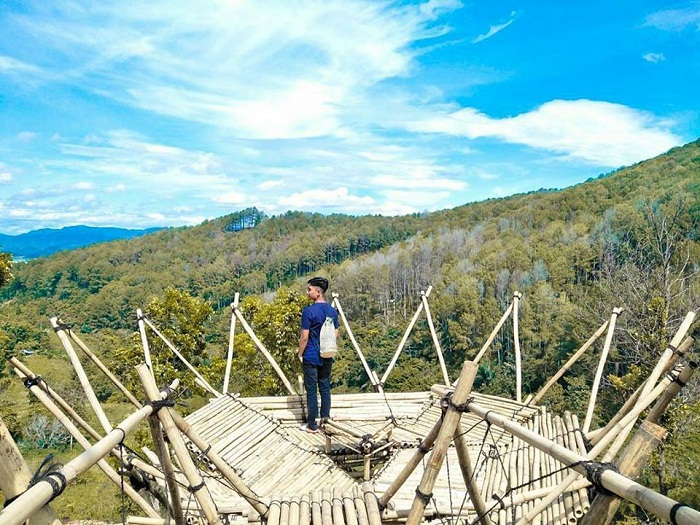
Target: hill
628 239
40 243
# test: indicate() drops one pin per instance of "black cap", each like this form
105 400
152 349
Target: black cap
321 282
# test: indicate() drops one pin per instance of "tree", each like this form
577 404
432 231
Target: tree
5 268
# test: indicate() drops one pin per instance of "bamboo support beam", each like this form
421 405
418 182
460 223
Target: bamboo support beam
193 477
442 442
629 419
651 501
667 357
111 474
265 352
595 435
82 376
15 477
171 482
599 371
494 333
370 374
144 339
405 337
535 400
223 467
410 465
103 368
42 492
229 356
64 408
465 466
203 382
436 341
516 342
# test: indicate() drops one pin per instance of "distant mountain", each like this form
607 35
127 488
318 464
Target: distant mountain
40 243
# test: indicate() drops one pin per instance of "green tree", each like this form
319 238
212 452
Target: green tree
5 268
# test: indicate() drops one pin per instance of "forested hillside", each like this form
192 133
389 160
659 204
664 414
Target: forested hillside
628 239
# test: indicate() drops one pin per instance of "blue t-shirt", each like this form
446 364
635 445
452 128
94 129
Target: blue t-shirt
312 318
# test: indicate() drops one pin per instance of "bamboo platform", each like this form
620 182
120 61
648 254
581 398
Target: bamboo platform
260 438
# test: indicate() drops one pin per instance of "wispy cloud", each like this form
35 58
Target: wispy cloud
654 57
676 19
494 30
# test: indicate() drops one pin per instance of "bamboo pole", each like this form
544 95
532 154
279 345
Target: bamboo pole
465 465
63 407
667 356
371 504
111 474
193 477
223 467
568 364
349 507
265 352
643 443
595 435
204 382
436 341
171 482
370 374
442 442
42 492
410 465
595 451
516 341
405 337
657 504
144 338
82 376
103 368
15 477
229 356
599 371
494 333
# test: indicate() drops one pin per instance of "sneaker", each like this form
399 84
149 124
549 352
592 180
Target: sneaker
308 429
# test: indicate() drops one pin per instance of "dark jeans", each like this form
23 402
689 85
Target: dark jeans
321 376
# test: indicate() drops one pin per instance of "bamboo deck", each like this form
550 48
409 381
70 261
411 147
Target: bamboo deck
287 467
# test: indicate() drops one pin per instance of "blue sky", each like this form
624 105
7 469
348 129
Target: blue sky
168 113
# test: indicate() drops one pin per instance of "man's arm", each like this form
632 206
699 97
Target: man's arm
303 339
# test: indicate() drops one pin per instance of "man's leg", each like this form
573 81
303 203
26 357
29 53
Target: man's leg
324 386
310 381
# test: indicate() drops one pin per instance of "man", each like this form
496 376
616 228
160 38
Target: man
317 370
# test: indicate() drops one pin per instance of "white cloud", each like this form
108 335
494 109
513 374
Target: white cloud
675 19
9 64
316 199
270 184
5 176
230 197
84 185
27 136
601 132
116 188
494 30
654 57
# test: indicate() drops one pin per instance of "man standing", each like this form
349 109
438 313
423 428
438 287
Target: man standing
317 370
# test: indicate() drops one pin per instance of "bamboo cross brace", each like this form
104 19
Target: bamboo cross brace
161 450
494 333
595 435
595 451
191 473
370 374
436 341
265 352
42 492
229 355
599 371
568 364
442 442
82 376
649 500
204 382
405 337
103 368
465 466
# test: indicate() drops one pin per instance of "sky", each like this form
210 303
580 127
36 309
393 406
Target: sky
170 113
